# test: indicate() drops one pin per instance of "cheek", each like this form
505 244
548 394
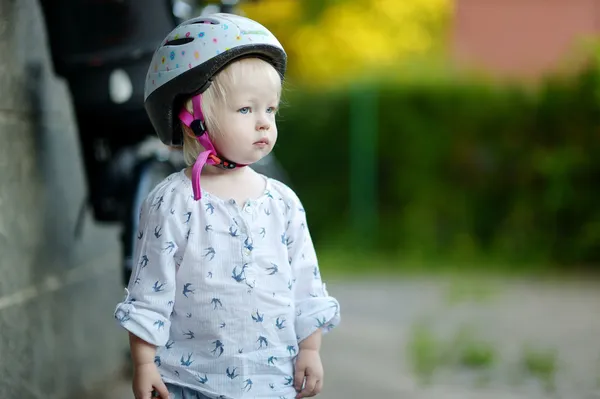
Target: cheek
220 142
236 125
226 144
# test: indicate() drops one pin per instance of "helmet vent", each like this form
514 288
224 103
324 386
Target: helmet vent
206 21
179 42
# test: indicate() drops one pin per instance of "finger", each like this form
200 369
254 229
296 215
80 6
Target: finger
299 379
142 394
309 387
162 390
318 387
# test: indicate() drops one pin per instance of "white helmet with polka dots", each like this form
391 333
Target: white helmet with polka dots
185 62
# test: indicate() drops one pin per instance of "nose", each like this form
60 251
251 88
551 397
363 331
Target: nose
263 124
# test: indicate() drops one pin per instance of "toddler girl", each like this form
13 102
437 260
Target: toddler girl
226 299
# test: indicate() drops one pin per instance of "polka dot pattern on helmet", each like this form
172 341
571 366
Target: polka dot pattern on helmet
206 37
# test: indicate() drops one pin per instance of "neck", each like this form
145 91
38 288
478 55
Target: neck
211 170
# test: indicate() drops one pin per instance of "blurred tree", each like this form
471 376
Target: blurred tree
332 41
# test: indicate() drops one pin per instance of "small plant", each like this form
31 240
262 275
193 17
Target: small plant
541 364
429 353
425 352
477 356
467 351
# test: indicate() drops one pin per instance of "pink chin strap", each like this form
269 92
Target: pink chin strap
209 155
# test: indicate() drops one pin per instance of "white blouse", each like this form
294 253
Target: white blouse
226 292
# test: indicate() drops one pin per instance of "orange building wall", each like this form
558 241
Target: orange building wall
521 38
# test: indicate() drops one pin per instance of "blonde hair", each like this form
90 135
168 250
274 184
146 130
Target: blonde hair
216 96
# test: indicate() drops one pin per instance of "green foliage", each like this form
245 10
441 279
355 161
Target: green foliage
425 353
478 355
428 353
541 364
465 170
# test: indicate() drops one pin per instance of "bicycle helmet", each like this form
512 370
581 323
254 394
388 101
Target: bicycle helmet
183 66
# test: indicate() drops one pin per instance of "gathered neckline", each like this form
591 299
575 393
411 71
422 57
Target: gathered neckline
208 194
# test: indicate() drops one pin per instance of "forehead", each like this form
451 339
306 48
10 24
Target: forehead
258 88
251 77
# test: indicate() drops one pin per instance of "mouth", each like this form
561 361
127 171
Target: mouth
262 142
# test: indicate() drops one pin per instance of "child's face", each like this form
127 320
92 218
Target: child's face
247 122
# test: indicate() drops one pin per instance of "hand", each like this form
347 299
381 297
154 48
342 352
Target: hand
146 379
309 370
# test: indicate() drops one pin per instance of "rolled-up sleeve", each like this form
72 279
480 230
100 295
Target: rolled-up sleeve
315 308
150 295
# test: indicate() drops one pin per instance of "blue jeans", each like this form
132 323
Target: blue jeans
177 392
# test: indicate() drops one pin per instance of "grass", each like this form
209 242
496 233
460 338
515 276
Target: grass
541 364
470 352
477 355
425 353
429 353
465 351
348 264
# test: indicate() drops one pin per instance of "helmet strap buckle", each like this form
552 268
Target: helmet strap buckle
198 127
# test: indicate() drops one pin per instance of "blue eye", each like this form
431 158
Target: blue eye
271 110
244 110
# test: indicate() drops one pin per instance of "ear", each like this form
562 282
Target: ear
189 106
188 132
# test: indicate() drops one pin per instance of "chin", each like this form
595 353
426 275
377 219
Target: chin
252 160
255 157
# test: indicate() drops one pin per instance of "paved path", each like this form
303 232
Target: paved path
369 355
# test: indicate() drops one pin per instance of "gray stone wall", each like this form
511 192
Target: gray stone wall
57 291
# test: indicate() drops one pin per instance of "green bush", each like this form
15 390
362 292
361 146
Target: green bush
464 169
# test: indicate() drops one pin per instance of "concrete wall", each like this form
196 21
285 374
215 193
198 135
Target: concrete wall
57 292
